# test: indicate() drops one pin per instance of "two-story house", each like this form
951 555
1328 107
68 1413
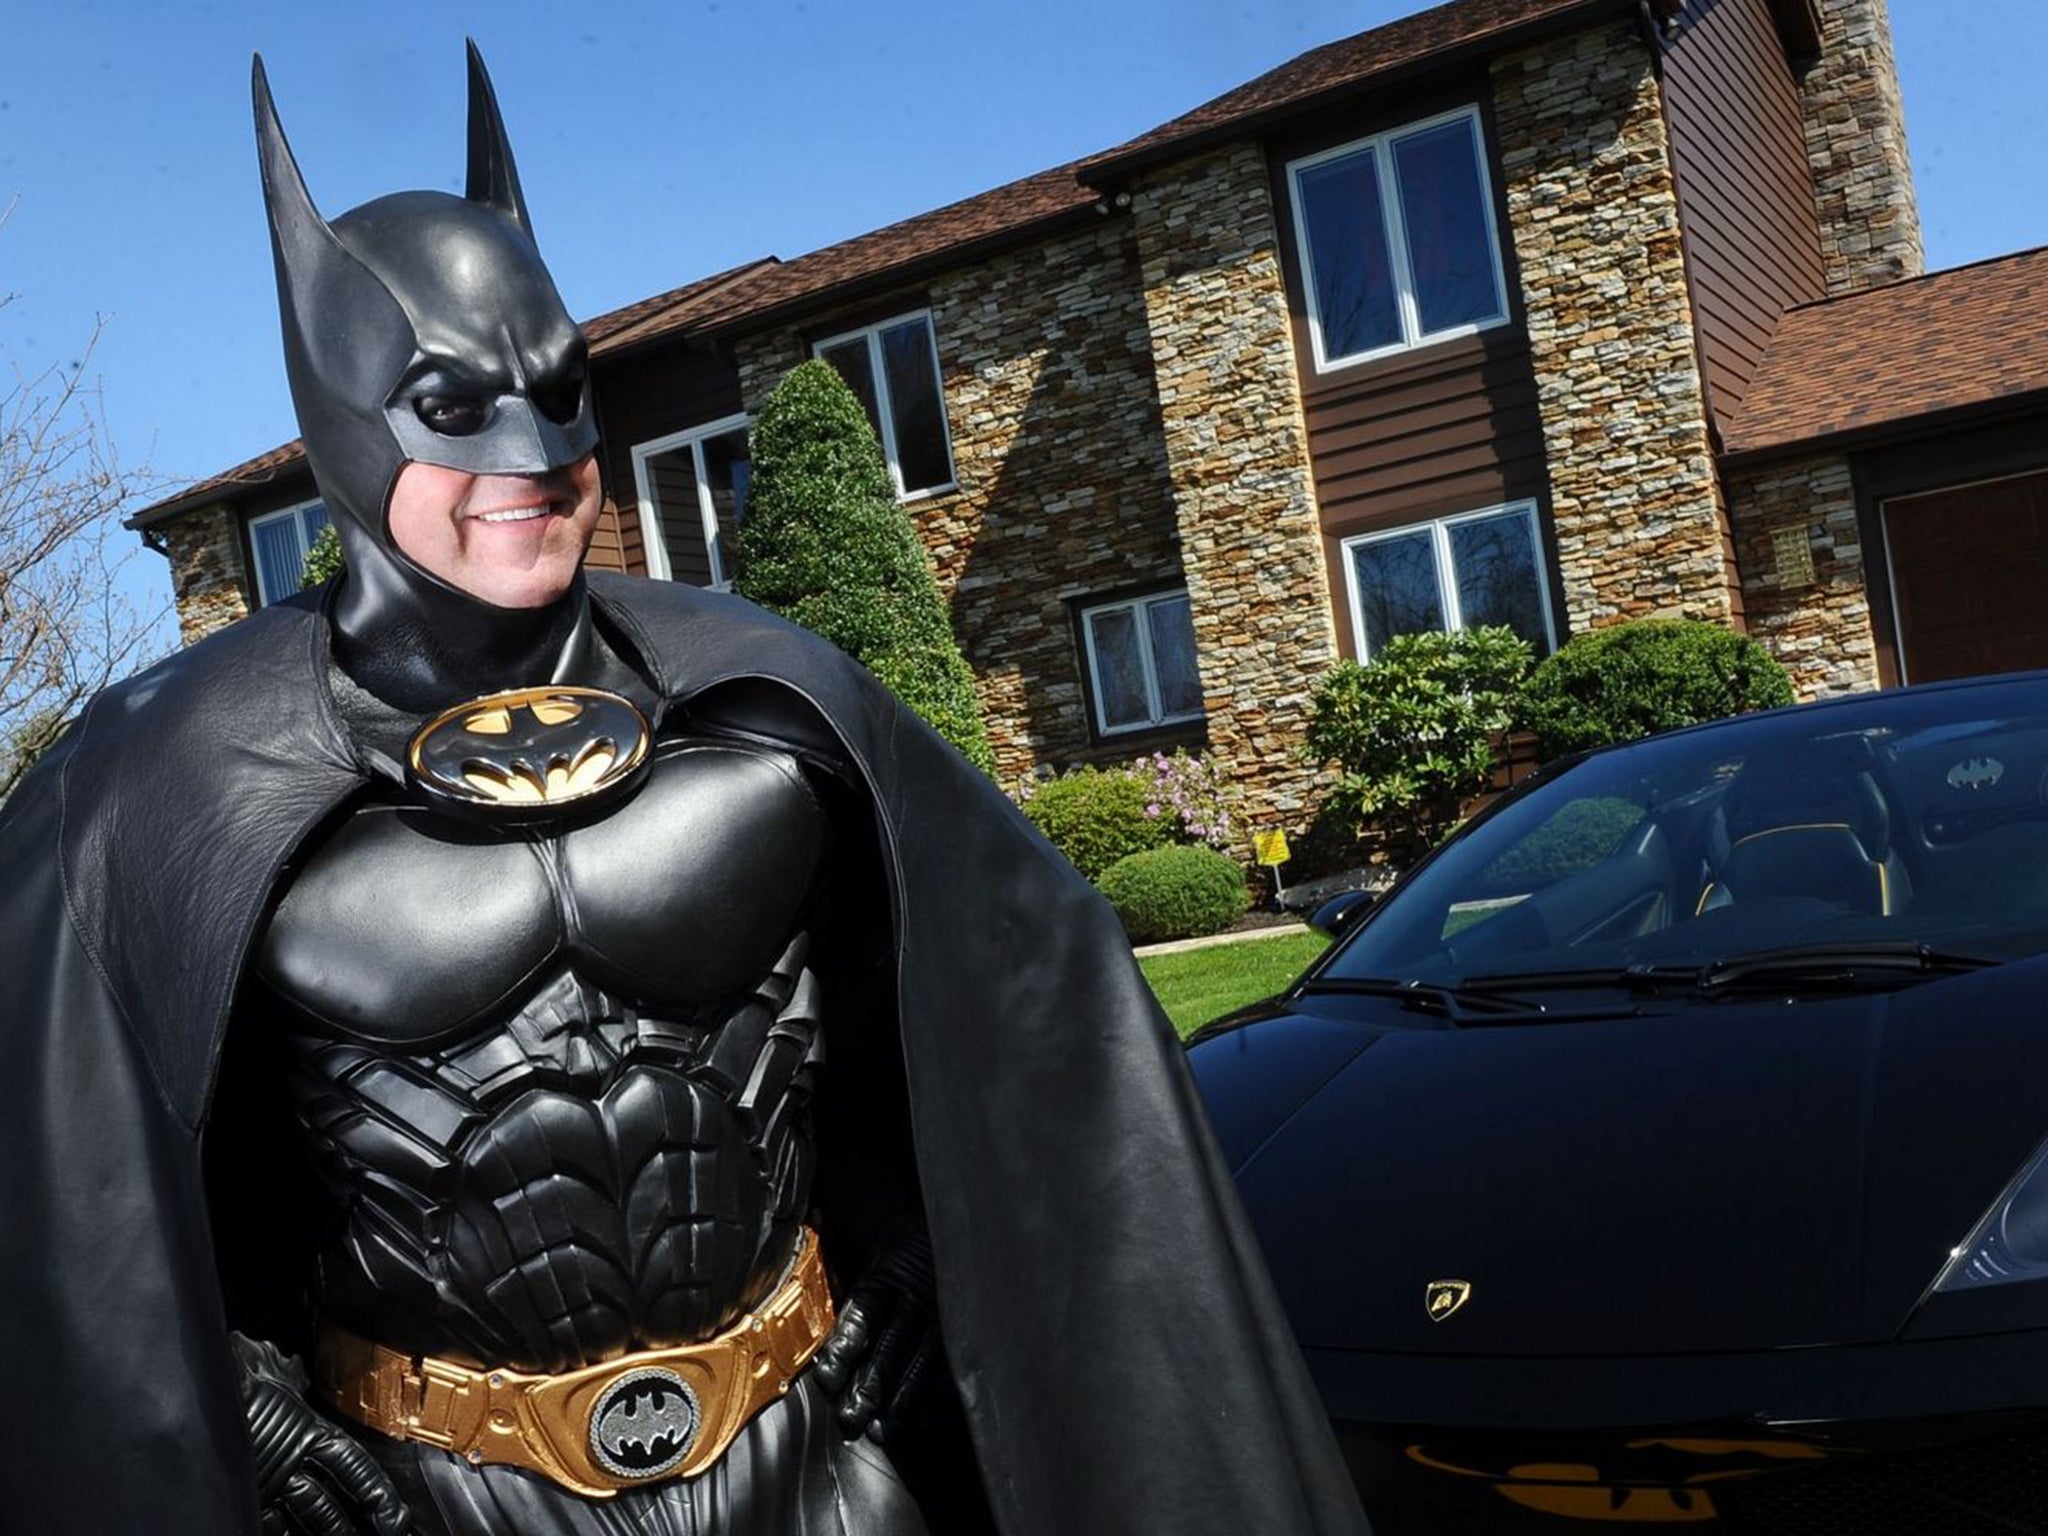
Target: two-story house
1538 312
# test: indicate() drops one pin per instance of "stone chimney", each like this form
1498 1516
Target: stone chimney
1856 144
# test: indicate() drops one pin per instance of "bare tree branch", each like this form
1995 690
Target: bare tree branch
66 629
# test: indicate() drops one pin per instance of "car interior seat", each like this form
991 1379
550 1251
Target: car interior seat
1806 831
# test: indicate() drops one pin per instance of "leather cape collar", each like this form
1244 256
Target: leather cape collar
194 783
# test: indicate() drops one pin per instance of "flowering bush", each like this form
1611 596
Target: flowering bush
1096 816
1185 791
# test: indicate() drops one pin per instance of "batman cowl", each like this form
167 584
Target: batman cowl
424 326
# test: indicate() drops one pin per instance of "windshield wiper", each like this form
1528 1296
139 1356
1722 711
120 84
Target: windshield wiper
1836 965
1633 978
1810 965
1459 1004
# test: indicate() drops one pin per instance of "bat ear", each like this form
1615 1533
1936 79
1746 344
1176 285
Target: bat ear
493 178
317 278
302 239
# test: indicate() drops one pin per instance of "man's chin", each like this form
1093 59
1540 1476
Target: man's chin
535 587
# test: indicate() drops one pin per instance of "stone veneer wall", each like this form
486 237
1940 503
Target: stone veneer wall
1815 618
1062 483
205 549
1237 453
1856 144
1593 210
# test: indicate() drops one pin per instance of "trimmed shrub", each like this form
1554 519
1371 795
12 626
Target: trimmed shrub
1096 816
323 559
1648 675
825 544
1174 893
1411 734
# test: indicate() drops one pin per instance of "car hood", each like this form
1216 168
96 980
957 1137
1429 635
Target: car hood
1728 1176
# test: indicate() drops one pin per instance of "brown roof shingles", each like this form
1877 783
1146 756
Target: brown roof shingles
1967 338
1335 68
250 474
618 329
944 234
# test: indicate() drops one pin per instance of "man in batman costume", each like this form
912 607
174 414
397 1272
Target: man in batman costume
488 1003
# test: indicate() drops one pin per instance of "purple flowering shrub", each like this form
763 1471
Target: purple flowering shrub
1096 816
1185 791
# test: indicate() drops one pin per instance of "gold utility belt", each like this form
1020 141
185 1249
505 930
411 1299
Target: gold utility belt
653 1414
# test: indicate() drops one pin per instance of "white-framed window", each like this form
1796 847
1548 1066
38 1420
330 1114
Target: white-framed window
279 541
1141 662
1397 240
1451 573
893 366
692 487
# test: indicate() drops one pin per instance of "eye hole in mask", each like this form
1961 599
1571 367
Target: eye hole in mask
561 398
452 415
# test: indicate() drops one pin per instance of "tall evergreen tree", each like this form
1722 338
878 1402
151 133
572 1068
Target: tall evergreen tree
826 544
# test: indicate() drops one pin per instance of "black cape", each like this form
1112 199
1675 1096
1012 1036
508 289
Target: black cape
1114 1338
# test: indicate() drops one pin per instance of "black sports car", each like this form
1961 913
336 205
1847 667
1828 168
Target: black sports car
1669 1146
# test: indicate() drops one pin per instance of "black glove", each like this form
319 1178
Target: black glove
311 1478
885 1346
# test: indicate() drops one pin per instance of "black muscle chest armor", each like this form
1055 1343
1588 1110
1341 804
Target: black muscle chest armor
556 1082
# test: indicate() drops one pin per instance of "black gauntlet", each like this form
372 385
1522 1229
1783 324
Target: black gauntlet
885 1345
311 1478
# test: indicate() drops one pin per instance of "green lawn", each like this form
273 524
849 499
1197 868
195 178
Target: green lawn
1198 985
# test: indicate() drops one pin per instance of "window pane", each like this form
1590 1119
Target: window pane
1119 670
1173 656
727 468
916 405
1443 210
1347 241
850 359
311 520
280 557
1495 562
672 481
1397 587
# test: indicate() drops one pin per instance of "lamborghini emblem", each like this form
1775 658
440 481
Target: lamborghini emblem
1443 1297
530 749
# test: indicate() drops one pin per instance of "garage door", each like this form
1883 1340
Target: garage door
1970 577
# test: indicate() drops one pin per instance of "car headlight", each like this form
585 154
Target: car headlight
2011 1242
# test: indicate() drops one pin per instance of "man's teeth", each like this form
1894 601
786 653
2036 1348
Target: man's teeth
516 514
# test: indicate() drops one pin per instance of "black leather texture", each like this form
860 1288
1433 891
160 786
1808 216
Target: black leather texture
1110 1331
412 298
312 1478
557 1086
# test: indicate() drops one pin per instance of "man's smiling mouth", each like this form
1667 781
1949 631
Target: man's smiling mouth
517 514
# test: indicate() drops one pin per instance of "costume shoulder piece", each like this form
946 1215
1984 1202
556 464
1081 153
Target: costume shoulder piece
187 788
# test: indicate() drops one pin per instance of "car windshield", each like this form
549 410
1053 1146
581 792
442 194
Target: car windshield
1873 827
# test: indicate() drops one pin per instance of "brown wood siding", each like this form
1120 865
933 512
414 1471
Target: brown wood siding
644 396
1445 428
1745 192
1448 428
605 553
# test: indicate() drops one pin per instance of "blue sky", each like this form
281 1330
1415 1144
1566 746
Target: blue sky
660 142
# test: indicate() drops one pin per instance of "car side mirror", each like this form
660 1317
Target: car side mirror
1341 913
